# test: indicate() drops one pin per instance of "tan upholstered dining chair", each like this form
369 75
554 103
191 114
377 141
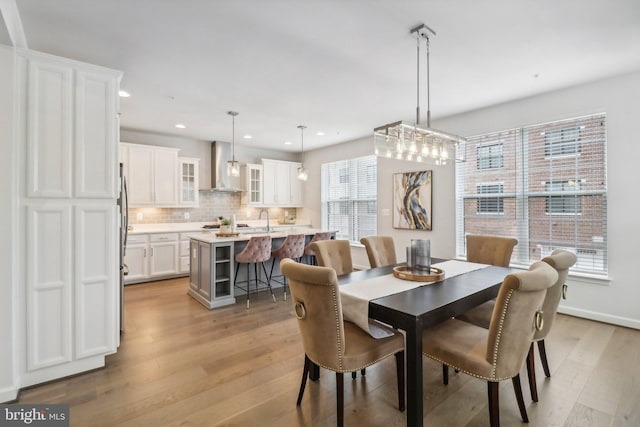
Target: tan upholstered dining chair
492 250
335 254
498 353
380 250
561 261
330 342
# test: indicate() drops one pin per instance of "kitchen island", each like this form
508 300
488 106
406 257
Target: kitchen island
212 264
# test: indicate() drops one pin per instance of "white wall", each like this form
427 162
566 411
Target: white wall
615 301
8 389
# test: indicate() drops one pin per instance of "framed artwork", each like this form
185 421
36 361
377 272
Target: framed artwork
412 200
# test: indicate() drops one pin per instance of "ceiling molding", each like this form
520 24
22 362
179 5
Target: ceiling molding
13 22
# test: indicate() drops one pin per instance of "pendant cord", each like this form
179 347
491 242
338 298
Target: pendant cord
428 94
418 80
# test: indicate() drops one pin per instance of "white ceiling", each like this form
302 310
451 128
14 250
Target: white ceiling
338 66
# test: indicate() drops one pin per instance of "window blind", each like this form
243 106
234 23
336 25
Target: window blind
549 190
349 197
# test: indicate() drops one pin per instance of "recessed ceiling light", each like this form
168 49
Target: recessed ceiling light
287 143
181 126
247 137
320 133
124 94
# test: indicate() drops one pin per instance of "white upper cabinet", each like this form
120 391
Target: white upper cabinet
152 175
253 184
281 186
188 185
49 130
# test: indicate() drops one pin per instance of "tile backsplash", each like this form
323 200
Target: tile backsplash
212 205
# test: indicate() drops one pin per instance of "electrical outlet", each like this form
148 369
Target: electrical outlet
139 216
186 215
385 212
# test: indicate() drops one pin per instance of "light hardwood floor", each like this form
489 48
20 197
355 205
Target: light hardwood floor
182 365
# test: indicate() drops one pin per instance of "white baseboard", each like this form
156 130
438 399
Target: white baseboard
600 317
8 394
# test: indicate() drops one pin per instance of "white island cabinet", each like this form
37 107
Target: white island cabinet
68 186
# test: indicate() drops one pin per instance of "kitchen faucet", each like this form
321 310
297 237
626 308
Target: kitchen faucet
260 217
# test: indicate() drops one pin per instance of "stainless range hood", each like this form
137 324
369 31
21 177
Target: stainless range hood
220 181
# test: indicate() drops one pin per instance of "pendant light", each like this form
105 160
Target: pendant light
302 173
413 141
233 167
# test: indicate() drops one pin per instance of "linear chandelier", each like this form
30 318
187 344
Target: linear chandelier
414 141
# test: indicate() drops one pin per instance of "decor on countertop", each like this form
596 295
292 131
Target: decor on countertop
233 167
412 200
225 226
413 141
302 173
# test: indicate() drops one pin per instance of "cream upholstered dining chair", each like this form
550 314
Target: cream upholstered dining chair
498 353
561 261
292 247
335 254
329 341
380 250
492 250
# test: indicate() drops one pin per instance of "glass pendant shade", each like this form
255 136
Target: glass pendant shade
233 168
302 174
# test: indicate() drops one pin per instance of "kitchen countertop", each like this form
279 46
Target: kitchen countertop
181 227
210 236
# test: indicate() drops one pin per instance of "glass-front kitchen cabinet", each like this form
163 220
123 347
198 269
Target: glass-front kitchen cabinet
188 174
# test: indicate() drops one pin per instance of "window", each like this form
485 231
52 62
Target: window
550 191
490 205
562 142
490 156
563 204
349 197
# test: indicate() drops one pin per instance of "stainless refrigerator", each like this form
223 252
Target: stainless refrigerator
123 204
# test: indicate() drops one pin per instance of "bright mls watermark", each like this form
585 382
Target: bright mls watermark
34 415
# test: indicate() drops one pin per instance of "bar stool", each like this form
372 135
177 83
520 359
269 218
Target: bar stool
308 252
258 250
292 247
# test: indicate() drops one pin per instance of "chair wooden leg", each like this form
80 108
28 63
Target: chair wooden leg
518 389
543 358
354 374
303 383
445 374
363 372
494 404
531 373
400 374
340 397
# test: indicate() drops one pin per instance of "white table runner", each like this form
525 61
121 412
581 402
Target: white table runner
356 296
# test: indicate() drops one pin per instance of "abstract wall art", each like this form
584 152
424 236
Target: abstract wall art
412 200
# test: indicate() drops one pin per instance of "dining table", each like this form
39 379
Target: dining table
422 307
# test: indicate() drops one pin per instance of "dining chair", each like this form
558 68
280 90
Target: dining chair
335 254
492 250
380 250
292 247
498 353
308 252
328 340
561 261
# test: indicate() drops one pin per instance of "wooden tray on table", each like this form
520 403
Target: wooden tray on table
433 275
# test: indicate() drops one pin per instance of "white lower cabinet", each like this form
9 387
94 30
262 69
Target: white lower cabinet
164 254
156 255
